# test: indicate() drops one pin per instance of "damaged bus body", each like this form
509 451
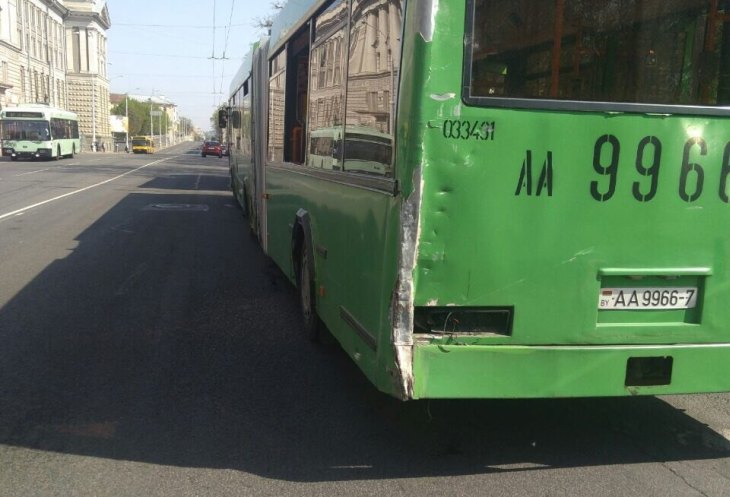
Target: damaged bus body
506 199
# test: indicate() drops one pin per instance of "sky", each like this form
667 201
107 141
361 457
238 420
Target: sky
187 51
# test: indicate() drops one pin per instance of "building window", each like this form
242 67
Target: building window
22 84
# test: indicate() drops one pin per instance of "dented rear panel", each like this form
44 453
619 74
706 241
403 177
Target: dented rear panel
573 220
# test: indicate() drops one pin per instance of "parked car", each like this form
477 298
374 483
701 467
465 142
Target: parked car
212 148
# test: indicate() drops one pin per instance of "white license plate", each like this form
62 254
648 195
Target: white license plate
631 299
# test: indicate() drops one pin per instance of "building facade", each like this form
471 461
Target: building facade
54 52
86 77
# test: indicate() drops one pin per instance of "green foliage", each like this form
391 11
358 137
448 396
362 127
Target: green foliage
139 117
219 133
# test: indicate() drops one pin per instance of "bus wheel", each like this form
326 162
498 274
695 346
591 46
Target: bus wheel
306 297
58 153
73 151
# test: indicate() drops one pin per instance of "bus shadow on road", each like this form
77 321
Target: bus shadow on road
167 337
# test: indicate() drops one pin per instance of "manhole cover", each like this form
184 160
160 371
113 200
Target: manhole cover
176 207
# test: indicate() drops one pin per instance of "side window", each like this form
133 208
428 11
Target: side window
326 91
288 87
243 140
632 51
372 81
277 86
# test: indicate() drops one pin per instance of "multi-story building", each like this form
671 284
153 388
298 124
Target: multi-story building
32 58
86 77
54 52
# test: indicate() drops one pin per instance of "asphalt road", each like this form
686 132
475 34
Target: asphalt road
149 348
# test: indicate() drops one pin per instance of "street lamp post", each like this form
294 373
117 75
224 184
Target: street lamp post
152 129
126 116
93 114
161 110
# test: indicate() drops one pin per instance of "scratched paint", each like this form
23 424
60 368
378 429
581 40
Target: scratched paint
492 207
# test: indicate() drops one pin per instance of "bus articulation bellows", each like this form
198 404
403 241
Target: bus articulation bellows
38 131
498 199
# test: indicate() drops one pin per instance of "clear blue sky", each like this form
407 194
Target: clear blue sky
165 47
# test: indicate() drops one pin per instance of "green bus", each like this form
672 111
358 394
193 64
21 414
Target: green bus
38 131
544 210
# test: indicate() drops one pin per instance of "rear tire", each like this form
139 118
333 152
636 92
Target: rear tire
58 153
310 320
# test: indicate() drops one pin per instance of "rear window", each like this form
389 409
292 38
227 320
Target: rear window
651 52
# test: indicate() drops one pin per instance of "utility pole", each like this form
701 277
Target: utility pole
126 115
93 113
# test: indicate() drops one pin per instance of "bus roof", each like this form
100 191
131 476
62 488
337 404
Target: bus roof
244 71
36 111
290 19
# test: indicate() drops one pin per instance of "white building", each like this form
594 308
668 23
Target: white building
32 62
86 77
54 52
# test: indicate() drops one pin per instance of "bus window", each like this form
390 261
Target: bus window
629 51
372 83
326 98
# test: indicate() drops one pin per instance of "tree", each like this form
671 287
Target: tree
139 117
219 133
268 21
185 126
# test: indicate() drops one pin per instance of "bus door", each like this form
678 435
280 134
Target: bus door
259 130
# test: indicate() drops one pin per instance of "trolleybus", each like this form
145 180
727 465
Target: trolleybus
544 212
38 131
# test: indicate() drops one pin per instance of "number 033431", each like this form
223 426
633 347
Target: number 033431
647 298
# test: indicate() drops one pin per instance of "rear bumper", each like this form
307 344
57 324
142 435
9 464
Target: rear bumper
454 371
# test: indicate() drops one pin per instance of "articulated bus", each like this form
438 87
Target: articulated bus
490 199
143 145
38 131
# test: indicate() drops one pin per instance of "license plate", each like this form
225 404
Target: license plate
636 299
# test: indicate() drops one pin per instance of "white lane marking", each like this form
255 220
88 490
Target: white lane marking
29 207
33 172
197 182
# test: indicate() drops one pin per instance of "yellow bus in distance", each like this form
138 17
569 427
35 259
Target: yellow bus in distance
143 145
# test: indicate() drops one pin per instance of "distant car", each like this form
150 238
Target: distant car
212 148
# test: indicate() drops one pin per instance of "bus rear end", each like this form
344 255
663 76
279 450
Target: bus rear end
574 219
